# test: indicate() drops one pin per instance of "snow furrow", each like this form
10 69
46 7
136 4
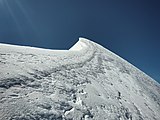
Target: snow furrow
87 82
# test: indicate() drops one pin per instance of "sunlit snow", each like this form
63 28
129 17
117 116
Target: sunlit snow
86 82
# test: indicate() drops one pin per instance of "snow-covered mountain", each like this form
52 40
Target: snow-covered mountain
87 82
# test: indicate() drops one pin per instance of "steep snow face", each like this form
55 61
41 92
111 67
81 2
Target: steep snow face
87 82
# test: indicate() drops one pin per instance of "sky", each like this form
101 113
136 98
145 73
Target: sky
129 28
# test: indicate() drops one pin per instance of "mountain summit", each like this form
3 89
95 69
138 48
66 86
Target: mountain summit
86 82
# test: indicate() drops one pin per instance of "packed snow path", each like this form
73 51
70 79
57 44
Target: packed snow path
87 82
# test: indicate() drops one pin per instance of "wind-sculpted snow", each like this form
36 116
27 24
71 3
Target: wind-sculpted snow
87 82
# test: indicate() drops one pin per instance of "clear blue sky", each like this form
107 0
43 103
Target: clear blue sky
130 28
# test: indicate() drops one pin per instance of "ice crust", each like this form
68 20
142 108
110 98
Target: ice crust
86 82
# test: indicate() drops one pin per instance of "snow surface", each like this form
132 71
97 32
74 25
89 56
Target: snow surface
87 82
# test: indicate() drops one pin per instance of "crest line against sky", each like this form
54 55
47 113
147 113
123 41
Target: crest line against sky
130 29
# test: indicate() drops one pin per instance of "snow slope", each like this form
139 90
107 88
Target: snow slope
87 82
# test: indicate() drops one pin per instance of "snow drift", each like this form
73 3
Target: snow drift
87 82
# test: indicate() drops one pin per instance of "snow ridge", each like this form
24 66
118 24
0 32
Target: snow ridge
86 82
